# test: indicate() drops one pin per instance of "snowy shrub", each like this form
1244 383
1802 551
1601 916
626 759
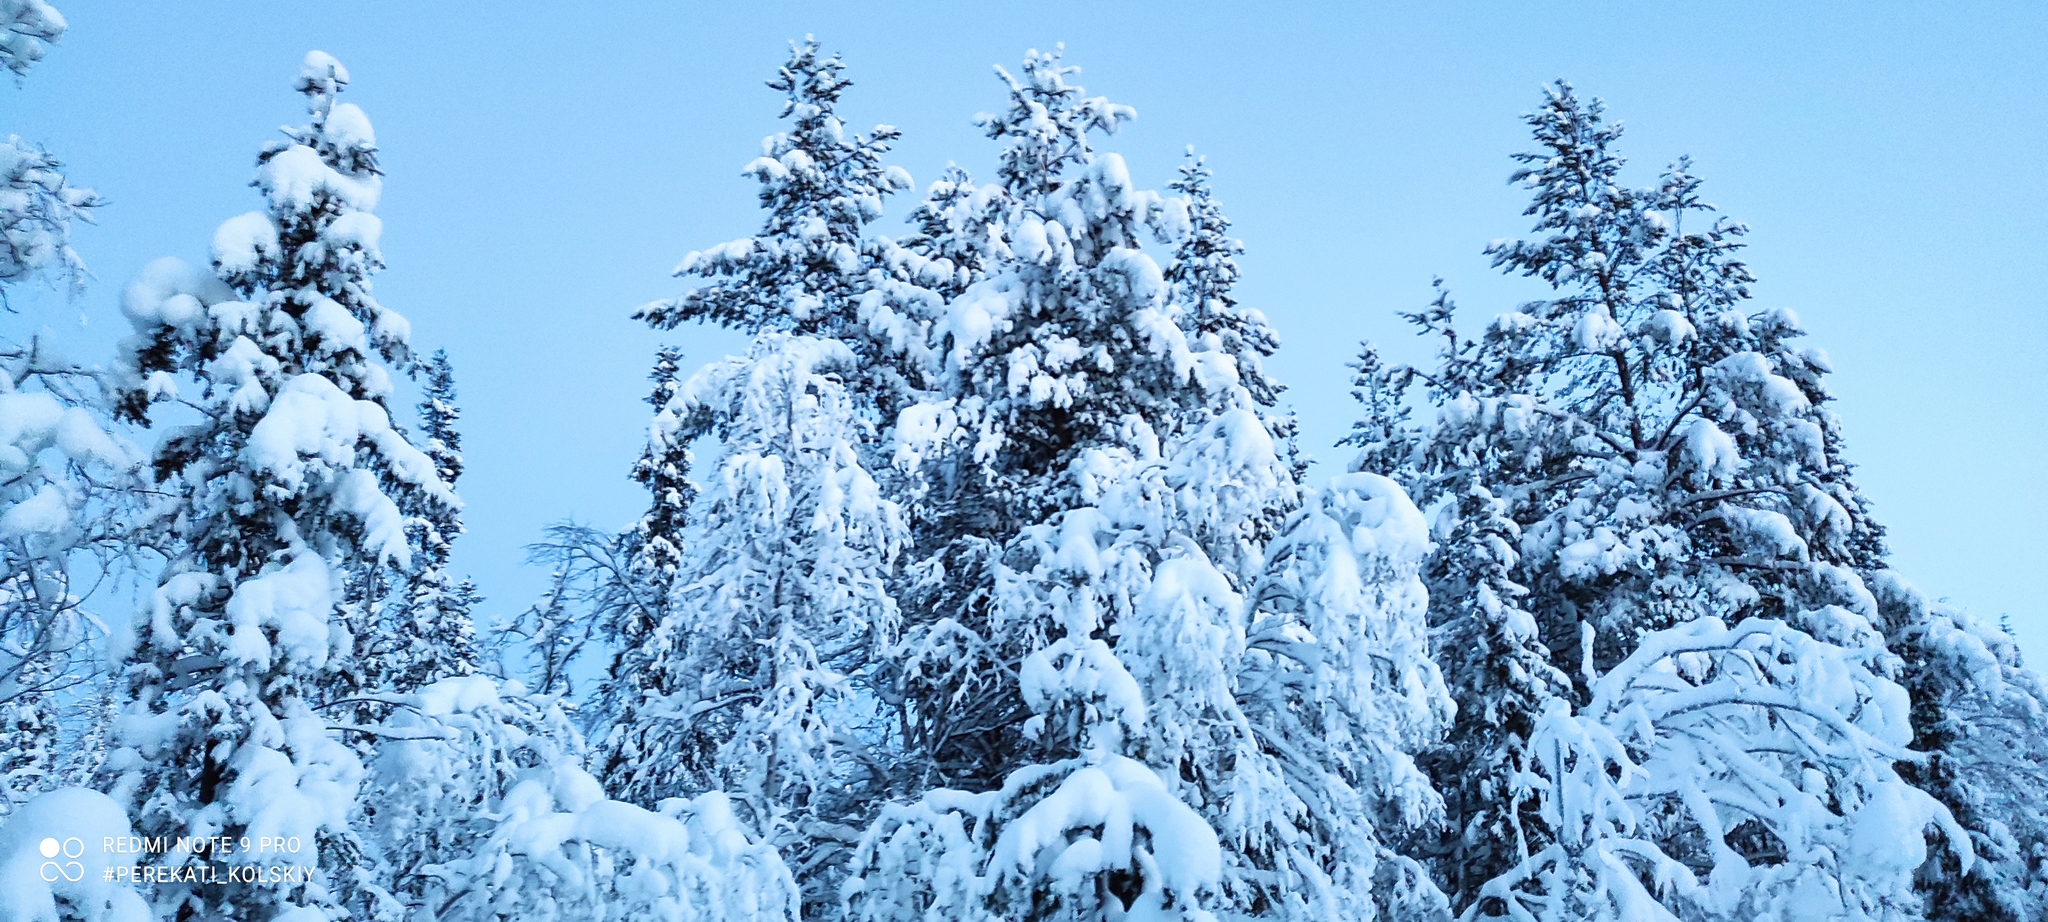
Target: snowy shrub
1092 838
1724 772
485 813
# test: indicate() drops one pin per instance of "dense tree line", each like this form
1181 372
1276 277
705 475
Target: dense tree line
1003 593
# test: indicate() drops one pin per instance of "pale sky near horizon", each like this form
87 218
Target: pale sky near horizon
548 165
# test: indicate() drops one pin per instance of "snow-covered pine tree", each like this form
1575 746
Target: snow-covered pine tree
1669 461
278 354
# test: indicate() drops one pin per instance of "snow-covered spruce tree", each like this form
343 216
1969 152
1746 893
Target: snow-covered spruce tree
780 610
278 354
1499 673
803 272
1101 485
433 636
806 270
757 680
657 557
1203 273
664 469
1502 680
991 458
1069 825
1982 717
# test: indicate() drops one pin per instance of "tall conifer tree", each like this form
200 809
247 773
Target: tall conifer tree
278 487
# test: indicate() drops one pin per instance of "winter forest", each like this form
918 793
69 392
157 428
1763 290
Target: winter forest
989 582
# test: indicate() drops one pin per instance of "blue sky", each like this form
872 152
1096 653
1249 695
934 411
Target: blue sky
548 164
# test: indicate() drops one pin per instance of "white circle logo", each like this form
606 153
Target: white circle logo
70 870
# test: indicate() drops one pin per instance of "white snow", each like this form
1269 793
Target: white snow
77 880
245 242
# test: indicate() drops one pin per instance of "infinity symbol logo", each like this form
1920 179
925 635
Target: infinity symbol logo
69 870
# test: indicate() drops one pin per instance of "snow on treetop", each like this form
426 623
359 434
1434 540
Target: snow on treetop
347 126
26 26
321 73
296 175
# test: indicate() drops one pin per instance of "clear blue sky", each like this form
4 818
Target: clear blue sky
549 163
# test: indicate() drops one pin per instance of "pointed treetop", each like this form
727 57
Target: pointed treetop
813 84
1581 209
1046 125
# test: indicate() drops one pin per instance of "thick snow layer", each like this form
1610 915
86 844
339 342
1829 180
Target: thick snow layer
245 242
73 879
1123 799
167 292
459 695
311 428
319 66
33 422
562 852
347 127
1058 830
1382 519
296 178
283 612
293 780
